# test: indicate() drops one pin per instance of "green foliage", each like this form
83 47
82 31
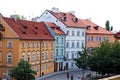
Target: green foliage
107 26
81 62
105 58
23 71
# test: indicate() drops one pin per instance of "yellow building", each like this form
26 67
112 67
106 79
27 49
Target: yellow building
27 40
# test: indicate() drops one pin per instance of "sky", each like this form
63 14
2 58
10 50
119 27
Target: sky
97 10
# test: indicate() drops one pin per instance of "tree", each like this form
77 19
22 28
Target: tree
81 62
107 26
105 58
23 71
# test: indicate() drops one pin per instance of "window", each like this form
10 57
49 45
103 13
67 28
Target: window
42 55
73 33
72 64
46 44
62 41
82 44
42 67
67 56
72 55
32 44
23 56
56 52
67 44
78 33
33 56
47 54
83 34
105 38
28 57
0 57
37 56
73 45
90 38
89 49
37 69
98 39
28 44
9 58
57 40
67 32
62 50
42 44
37 44
46 66
78 44
52 54
52 44
9 44
23 44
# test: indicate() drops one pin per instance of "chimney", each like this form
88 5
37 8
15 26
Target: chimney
14 17
55 10
72 12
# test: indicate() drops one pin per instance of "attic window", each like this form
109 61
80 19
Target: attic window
63 14
75 19
24 32
63 18
25 27
36 27
34 31
88 27
96 27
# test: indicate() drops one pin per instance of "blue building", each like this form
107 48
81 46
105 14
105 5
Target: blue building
59 36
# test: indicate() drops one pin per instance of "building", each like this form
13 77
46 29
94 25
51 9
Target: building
59 37
27 40
96 34
74 30
117 36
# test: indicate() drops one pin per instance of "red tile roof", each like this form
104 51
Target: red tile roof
68 19
28 29
93 28
56 29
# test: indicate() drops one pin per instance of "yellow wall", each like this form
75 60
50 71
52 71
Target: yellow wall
17 50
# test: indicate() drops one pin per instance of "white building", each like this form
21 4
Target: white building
74 30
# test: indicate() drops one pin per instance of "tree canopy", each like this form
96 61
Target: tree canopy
107 26
103 59
23 71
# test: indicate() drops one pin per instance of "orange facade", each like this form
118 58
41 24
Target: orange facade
12 49
93 40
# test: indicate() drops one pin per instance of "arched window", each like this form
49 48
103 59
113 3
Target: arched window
33 56
23 56
28 56
47 55
9 58
42 55
37 56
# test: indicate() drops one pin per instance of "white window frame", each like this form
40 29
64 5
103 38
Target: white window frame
9 44
9 59
23 44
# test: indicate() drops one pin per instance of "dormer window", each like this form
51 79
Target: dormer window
63 18
63 14
96 27
75 19
88 27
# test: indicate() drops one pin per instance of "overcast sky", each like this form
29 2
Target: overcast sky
98 10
